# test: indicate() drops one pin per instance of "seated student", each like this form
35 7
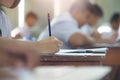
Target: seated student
66 26
95 16
30 49
26 30
110 37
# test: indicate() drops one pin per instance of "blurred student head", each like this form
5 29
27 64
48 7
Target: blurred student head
96 14
115 21
9 3
79 11
31 19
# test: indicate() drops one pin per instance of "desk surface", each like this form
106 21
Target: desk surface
72 73
70 60
56 73
112 58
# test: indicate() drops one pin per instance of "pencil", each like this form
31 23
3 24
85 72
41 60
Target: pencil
49 25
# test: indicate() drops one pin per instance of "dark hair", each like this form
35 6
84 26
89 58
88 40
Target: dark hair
97 10
31 14
115 17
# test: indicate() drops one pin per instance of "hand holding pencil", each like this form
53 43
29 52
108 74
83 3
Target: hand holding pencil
50 45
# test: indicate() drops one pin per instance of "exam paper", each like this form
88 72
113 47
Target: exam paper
83 52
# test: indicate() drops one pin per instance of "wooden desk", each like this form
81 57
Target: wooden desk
71 60
113 56
112 59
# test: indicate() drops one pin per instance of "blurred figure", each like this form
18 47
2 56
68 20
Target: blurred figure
112 28
66 26
95 16
25 31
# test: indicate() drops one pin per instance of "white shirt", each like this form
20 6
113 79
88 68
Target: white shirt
5 25
25 31
107 35
63 27
86 30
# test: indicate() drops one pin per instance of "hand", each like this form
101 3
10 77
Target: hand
49 46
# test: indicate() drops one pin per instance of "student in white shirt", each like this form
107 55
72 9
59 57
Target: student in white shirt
110 37
95 16
29 49
66 26
26 30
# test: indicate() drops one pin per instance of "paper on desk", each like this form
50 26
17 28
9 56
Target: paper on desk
83 52
71 73
104 50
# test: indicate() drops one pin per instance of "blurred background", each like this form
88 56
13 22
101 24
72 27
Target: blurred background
54 7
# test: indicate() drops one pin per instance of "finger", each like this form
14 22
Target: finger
57 50
57 41
60 43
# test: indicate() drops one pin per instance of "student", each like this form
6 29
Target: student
66 26
95 16
26 30
110 37
30 49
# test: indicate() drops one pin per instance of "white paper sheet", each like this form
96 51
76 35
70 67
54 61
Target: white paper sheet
82 52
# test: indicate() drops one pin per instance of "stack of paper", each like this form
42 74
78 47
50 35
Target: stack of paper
83 52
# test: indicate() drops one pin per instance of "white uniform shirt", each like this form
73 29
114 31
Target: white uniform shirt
63 27
25 31
108 35
86 30
5 25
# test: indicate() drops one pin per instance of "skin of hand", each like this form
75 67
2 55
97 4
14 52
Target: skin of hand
31 50
49 46
77 40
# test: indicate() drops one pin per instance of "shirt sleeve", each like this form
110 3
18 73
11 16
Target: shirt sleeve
64 30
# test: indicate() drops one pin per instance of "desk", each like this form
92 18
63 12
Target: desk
112 59
113 56
71 72
70 60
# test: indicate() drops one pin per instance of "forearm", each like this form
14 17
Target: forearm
30 50
78 39
13 46
17 49
6 60
104 41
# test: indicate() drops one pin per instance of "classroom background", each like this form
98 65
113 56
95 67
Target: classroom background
54 7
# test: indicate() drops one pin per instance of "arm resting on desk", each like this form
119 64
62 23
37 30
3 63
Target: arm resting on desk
30 49
78 39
